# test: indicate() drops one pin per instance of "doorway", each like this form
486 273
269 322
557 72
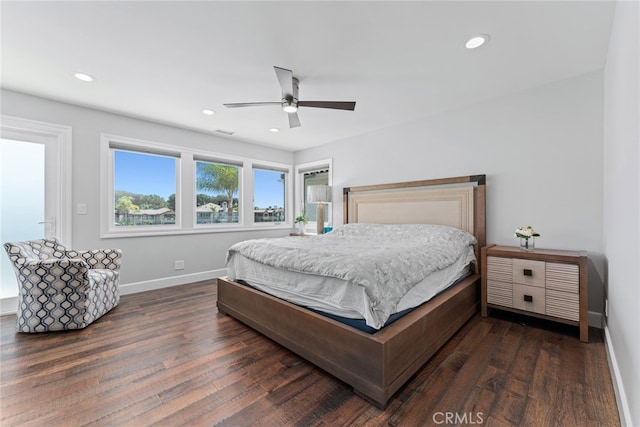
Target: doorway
35 189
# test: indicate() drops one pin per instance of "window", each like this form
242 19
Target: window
217 186
150 188
320 177
316 173
269 195
144 189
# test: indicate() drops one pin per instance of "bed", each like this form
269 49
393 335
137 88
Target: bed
377 364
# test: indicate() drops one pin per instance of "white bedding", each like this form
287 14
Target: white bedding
332 295
366 271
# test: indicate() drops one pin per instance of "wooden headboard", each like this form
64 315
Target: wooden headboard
457 202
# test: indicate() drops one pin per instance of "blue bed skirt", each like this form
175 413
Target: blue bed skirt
361 324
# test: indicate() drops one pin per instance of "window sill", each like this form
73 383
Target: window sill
195 230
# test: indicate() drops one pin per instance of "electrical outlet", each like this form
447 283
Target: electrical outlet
81 209
179 265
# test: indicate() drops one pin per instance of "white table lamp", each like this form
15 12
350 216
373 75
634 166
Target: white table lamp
319 194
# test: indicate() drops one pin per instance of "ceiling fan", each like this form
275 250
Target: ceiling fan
290 101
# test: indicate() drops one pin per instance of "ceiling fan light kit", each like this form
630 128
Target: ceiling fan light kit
290 105
290 102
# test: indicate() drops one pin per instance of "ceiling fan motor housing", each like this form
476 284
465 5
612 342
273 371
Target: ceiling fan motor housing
290 100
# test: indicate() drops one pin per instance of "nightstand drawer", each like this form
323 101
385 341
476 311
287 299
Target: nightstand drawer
563 277
529 298
563 304
528 272
499 293
500 269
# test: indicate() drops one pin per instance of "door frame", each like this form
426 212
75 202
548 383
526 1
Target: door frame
57 141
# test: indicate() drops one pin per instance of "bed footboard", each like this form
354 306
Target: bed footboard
375 365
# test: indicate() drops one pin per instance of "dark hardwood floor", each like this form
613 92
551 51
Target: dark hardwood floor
168 358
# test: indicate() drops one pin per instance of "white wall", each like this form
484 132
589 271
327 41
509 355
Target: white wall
621 205
147 261
541 150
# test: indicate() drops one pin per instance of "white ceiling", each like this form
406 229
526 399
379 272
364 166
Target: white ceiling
166 61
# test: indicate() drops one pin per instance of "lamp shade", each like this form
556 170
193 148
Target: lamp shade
319 194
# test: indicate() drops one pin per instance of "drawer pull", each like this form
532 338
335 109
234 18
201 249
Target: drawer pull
528 298
527 272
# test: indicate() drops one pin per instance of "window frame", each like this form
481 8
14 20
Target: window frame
111 143
270 166
185 209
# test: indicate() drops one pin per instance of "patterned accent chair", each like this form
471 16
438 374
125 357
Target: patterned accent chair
62 289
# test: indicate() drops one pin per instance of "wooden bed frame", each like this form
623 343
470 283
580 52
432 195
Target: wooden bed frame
377 365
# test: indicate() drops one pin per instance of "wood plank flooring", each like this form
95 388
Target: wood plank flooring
168 358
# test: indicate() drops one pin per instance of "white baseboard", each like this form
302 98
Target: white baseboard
10 305
149 285
595 319
618 385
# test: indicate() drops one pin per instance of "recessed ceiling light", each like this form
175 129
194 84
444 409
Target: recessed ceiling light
84 77
274 130
208 112
477 41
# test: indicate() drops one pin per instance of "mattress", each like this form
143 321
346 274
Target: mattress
333 295
308 281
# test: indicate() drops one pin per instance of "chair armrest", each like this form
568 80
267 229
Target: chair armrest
110 259
58 273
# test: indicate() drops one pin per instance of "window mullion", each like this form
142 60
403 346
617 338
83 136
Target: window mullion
185 199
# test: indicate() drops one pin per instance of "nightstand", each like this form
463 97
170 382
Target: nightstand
544 283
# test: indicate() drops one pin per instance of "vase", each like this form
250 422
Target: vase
301 227
528 243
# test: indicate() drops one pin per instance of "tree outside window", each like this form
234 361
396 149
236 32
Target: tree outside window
218 202
143 183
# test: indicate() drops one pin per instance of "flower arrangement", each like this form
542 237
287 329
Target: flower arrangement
302 218
526 233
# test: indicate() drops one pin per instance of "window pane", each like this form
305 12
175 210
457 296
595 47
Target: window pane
216 193
145 189
269 196
22 207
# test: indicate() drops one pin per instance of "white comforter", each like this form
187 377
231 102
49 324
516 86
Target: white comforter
386 260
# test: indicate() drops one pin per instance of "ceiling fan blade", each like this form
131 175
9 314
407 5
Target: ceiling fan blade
252 104
336 105
294 121
285 77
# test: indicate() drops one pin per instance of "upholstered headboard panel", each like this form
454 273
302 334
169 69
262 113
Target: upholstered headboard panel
445 206
457 202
